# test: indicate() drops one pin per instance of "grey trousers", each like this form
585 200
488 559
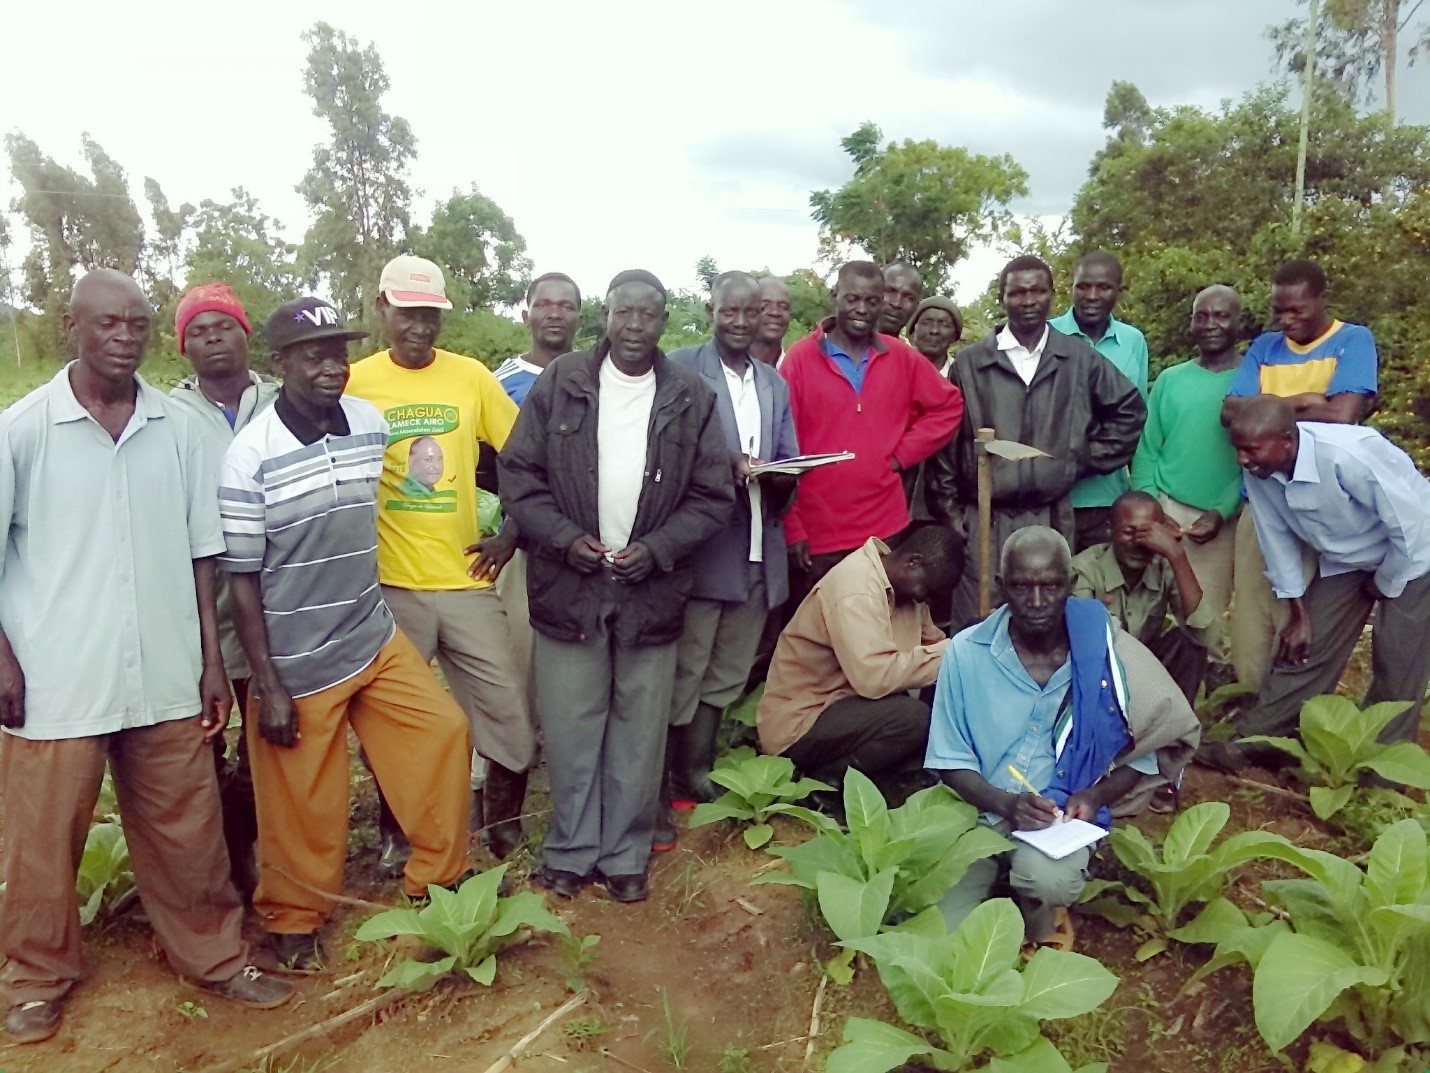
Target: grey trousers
1400 656
1040 885
603 707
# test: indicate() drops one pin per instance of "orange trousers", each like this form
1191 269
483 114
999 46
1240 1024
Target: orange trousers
417 743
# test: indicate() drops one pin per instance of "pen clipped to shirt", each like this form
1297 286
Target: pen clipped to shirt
1031 788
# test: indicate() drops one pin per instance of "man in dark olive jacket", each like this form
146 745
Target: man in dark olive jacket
1032 384
615 472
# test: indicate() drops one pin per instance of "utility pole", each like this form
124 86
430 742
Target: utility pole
1308 80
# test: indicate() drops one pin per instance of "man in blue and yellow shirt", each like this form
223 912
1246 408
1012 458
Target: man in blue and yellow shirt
1327 369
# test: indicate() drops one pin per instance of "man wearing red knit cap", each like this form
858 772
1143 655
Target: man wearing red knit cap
224 394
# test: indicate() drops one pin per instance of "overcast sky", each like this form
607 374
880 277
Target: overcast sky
638 132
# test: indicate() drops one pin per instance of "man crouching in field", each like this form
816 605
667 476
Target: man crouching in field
110 653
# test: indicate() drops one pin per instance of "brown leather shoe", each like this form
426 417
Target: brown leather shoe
253 987
33 1022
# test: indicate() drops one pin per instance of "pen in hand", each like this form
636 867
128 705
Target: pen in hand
1031 788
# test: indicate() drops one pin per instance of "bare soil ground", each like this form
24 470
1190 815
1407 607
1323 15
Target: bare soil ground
711 974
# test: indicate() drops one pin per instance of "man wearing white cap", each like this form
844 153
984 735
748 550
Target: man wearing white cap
436 570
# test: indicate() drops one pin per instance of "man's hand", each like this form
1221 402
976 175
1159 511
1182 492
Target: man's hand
1204 527
492 553
1161 539
1294 645
740 466
1032 812
1083 805
215 700
12 690
632 563
277 720
799 555
586 554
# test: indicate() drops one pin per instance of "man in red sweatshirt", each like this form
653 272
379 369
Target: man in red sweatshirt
853 389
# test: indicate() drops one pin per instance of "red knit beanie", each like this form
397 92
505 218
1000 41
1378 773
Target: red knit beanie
207 298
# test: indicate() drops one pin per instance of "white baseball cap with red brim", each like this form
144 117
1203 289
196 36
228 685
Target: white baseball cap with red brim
408 281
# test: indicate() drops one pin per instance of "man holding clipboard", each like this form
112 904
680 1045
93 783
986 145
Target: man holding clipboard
1046 693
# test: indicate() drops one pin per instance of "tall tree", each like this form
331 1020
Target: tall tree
357 189
164 249
919 202
1357 43
480 249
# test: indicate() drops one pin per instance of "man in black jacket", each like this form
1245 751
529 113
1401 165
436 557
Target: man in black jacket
1034 385
616 471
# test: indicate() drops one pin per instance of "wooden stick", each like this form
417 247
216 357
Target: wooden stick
506 1060
753 910
781 1043
814 1019
342 898
322 1028
607 1053
1255 784
985 516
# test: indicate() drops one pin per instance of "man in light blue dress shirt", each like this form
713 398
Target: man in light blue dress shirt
1360 503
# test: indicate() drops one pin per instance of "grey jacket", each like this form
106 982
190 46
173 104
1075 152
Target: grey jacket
720 567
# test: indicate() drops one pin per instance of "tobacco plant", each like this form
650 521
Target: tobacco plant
757 788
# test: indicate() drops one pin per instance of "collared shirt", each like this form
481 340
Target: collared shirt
1353 496
1140 609
1126 347
746 403
848 638
96 585
300 509
516 375
989 713
1343 359
851 368
1024 361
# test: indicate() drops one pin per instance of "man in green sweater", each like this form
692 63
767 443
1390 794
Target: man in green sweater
1186 459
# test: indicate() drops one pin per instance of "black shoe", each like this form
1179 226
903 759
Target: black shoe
33 1022
562 884
663 834
627 888
296 951
254 988
502 799
393 848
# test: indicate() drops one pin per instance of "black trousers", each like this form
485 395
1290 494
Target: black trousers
882 738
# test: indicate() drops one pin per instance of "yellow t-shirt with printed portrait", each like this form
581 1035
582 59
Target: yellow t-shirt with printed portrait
427 495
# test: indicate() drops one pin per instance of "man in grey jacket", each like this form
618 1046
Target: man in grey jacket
224 394
616 472
1034 385
741 572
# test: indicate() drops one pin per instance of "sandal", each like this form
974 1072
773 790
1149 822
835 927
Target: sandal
1166 799
1062 935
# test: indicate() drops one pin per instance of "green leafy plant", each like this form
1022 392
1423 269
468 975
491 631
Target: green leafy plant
1370 812
736 1060
469 925
1338 746
1355 945
191 1010
583 1031
966 990
757 788
889 865
578 953
1185 871
104 881
676 1042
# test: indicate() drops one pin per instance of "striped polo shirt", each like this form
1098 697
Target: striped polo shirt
301 507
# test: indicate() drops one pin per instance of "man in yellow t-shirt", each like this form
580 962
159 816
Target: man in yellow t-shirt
436 570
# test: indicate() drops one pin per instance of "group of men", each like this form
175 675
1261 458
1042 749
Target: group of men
310 546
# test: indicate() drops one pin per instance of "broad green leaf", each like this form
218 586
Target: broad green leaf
929 924
830 852
1114 912
387 924
840 968
737 779
853 909
1341 878
1336 733
416 975
1403 762
485 972
874 1047
1395 868
1058 983
985 943
1327 1058
1377 716
1248 945
818 820
864 806
1194 831
914 987
90 909
1009 1034
723 808
1150 949
525 909
936 879
1132 848
757 835
1247 846
1298 979
1217 919
1326 802
1309 903
1041 1057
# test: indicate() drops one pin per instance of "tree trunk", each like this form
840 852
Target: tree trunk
1389 18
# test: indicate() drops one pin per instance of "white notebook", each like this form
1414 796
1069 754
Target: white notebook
1063 838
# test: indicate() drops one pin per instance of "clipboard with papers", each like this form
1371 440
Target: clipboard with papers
1063 838
801 463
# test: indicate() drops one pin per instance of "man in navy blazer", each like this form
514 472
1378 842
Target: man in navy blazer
742 571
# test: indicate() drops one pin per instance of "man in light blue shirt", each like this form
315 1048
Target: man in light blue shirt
1097 284
1006 695
1358 501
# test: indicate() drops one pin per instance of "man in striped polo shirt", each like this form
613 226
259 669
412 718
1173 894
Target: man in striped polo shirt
298 499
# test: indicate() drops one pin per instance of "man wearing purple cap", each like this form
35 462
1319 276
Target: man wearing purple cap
223 395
